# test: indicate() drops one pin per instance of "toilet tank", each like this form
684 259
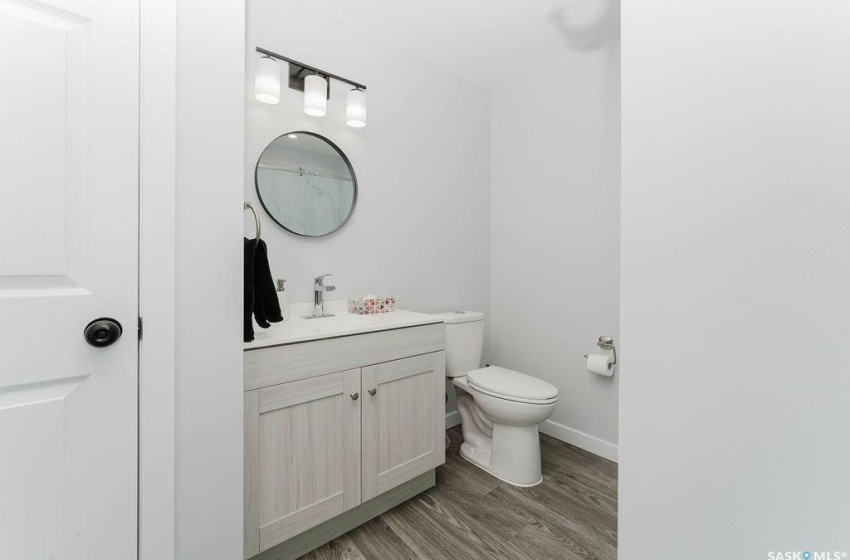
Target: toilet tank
464 341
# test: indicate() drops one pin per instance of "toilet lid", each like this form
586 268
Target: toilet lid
511 384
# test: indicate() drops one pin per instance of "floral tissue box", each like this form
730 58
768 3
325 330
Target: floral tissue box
370 305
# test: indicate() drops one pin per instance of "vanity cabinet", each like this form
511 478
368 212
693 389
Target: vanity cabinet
321 443
304 454
399 428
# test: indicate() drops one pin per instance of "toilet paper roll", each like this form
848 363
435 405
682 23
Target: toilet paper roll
600 364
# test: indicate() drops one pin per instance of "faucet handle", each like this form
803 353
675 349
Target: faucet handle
320 280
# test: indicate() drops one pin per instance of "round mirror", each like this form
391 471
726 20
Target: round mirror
306 184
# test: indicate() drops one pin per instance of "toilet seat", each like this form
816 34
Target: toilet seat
512 385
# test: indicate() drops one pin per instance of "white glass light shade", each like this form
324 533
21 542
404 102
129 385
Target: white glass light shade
315 96
267 81
355 108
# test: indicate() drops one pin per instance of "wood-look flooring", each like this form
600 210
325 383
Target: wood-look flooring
470 515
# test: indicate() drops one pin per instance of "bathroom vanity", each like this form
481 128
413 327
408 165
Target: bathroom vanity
344 419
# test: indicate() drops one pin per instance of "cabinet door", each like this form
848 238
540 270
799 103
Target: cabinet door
302 456
403 421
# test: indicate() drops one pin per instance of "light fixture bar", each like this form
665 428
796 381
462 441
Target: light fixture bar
312 69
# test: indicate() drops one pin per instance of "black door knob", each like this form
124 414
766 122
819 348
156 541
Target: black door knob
103 332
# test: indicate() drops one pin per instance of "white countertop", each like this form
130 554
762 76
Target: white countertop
342 323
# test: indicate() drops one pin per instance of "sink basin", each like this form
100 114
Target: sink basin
342 323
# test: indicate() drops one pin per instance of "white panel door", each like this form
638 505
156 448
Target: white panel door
68 255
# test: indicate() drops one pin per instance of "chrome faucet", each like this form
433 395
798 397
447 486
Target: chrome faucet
319 289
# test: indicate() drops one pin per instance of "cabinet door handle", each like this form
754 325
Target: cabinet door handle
373 391
355 396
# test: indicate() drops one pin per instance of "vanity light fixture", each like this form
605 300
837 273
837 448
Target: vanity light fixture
267 81
355 108
310 80
315 95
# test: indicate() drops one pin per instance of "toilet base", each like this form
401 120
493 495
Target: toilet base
481 459
508 451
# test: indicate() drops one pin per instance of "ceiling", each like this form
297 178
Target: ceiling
485 41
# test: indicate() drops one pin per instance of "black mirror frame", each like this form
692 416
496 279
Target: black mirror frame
347 163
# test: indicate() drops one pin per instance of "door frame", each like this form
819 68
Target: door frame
157 288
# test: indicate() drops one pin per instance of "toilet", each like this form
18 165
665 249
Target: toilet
499 408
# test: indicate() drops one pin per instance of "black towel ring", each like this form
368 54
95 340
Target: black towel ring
256 217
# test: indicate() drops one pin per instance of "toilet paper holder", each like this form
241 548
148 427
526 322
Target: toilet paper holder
607 342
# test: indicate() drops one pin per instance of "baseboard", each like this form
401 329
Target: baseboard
604 449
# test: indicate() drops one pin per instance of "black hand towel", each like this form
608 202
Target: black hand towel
248 263
266 304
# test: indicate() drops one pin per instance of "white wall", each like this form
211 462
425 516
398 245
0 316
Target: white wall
555 231
421 228
735 304
210 127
